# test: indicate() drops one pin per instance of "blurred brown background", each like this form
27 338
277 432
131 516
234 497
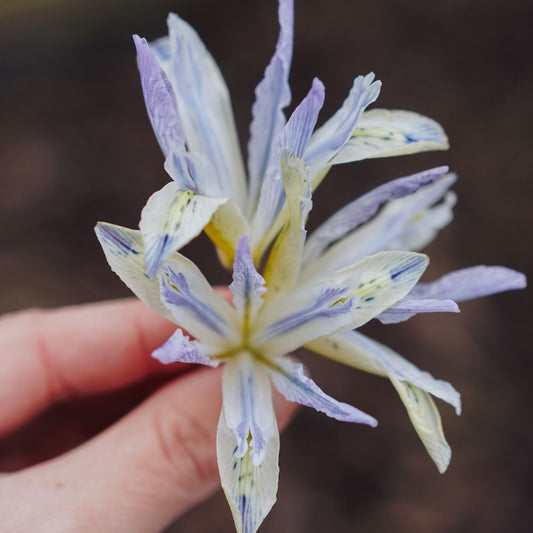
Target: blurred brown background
76 147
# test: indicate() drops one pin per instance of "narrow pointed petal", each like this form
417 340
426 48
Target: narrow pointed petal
365 207
285 259
293 138
204 107
285 325
290 380
384 279
408 223
469 283
124 251
248 285
250 490
272 95
333 135
409 307
159 98
248 406
170 219
426 420
413 385
180 348
385 133
196 306
226 227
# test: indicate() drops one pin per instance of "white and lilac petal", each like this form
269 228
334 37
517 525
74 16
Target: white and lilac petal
248 408
272 95
170 219
291 382
401 223
293 137
387 133
285 259
196 306
159 98
469 283
409 307
250 490
334 133
124 251
285 325
180 348
204 107
364 208
427 422
248 285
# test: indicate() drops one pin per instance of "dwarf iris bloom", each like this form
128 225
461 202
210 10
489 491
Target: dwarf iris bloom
315 291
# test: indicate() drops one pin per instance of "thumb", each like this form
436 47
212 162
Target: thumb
138 475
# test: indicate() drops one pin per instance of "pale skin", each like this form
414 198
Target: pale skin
142 472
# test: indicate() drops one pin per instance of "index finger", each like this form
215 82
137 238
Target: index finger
51 355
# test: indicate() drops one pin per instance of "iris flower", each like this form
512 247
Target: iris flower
288 290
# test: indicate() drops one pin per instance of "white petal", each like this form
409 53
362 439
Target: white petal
385 133
248 405
272 95
285 259
204 106
196 306
124 252
250 490
170 219
290 380
409 307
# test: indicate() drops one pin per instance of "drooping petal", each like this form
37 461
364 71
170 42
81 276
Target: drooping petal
250 490
170 219
407 223
365 207
272 95
469 283
196 306
413 385
248 285
248 405
385 133
290 380
204 107
159 98
383 280
285 325
180 348
124 251
409 307
334 133
293 137
285 259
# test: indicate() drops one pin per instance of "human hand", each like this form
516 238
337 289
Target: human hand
140 473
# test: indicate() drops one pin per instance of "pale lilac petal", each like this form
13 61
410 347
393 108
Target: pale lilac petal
363 208
249 489
469 283
409 307
248 405
179 348
333 135
205 107
248 285
272 95
293 138
290 380
159 98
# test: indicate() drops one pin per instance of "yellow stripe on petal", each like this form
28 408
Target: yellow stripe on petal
284 262
427 422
